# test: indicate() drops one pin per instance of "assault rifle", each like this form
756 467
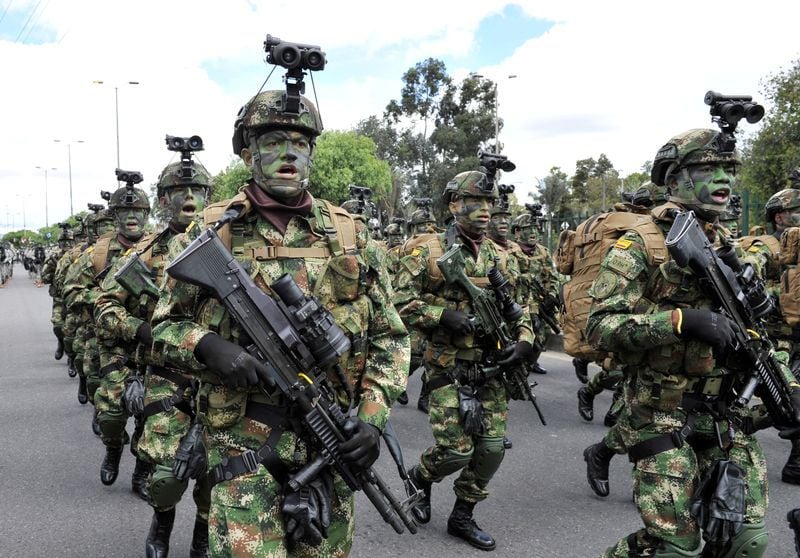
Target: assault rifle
493 311
742 297
135 277
297 339
548 304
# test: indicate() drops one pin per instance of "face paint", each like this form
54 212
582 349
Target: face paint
421 228
285 162
472 213
712 182
394 240
104 226
130 222
498 226
791 218
185 202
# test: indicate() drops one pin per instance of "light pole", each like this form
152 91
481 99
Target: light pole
496 109
46 215
69 163
116 108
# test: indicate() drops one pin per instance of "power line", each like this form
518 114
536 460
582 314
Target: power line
36 20
2 17
30 16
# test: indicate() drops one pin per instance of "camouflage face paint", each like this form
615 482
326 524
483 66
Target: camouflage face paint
130 222
421 228
185 202
526 235
472 213
498 226
104 226
285 162
712 182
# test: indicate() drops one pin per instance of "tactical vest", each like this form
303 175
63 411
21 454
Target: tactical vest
580 255
773 270
435 251
101 252
790 278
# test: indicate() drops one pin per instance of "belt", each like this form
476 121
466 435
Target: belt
661 443
176 400
705 386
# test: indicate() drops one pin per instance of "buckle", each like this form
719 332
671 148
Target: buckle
267 252
166 404
250 461
677 438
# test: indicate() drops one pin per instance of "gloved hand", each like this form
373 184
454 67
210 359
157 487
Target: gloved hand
363 444
550 303
144 334
133 395
516 353
457 322
190 458
709 327
234 365
536 322
470 411
308 511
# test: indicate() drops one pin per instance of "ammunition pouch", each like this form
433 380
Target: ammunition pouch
719 503
164 489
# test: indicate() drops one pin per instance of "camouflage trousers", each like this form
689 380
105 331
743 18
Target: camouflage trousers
245 520
73 344
108 401
57 317
664 483
90 364
451 438
613 438
159 440
605 380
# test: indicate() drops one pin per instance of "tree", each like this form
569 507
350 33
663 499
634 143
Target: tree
226 184
345 158
553 191
771 155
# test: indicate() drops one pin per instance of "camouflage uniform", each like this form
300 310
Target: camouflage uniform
670 379
351 281
454 361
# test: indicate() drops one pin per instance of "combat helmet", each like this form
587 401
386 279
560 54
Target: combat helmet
781 201
393 229
181 174
643 196
522 221
267 110
128 196
696 146
421 217
470 183
353 207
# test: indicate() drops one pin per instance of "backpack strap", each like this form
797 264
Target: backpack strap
215 211
100 253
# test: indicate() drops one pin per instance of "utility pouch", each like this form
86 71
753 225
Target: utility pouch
133 395
190 459
470 411
719 503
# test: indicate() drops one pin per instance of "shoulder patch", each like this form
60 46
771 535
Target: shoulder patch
624 263
623 244
416 252
604 285
753 249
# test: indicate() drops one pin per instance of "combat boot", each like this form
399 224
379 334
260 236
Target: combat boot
461 524
96 423
199 548
83 394
537 369
581 369
157 544
791 471
424 402
403 398
71 370
110 467
507 443
139 478
422 510
597 457
59 350
586 404
611 418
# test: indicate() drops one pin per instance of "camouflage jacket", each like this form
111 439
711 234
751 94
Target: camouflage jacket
49 267
354 286
422 294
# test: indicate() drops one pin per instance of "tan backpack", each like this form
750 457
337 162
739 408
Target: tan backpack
580 255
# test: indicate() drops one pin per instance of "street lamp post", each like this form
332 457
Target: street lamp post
496 109
46 215
69 163
116 108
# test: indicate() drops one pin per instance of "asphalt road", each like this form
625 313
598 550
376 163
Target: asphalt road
52 502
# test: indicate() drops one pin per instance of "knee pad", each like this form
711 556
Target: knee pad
163 489
751 542
669 550
488 456
452 461
112 426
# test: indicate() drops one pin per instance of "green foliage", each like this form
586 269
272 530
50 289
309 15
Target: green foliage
774 151
23 238
226 184
345 158
553 191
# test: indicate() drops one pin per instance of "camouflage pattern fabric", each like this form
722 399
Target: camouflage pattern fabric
537 270
631 316
421 300
245 517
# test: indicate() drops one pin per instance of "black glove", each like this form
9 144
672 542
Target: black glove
709 327
234 365
144 335
308 511
516 353
190 459
457 322
133 395
550 303
363 444
470 411
536 322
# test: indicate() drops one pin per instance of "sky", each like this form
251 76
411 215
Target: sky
613 77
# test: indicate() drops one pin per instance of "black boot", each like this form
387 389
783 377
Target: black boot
794 524
110 467
597 457
507 443
586 404
59 350
461 525
791 471
403 398
581 369
139 478
157 545
83 394
424 403
199 547
611 418
71 370
422 511
96 423
537 369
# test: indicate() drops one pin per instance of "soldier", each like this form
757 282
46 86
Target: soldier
283 229
65 241
537 271
422 221
123 321
677 392
468 411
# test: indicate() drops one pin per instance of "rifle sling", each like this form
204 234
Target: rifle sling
176 400
662 442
